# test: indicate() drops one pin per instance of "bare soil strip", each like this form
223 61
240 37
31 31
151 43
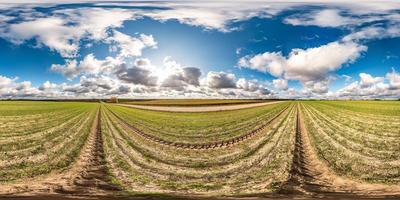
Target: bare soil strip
91 177
87 177
199 109
219 144
311 177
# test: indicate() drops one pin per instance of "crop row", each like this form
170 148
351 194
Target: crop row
197 127
258 163
31 150
364 149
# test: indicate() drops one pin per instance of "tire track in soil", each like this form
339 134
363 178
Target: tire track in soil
90 176
310 177
304 176
214 145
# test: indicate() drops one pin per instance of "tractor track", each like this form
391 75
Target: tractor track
90 174
304 177
311 177
203 146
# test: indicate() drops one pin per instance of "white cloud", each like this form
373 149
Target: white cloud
138 73
317 87
394 79
270 62
95 22
48 86
10 87
323 18
89 65
248 85
63 30
174 70
374 32
48 31
372 87
280 84
305 64
131 46
366 80
69 69
219 80
310 66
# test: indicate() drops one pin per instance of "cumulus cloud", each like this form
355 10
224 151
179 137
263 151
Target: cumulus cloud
247 85
322 18
131 46
280 84
394 80
269 62
176 76
221 80
185 76
138 73
310 66
89 65
48 86
374 32
69 69
63 30
366 80
48 31
372 87
318 87
10 87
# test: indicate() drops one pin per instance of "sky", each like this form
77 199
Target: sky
204 49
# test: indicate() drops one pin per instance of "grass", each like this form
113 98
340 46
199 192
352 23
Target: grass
135 161
357 139
38 138
192 102
202 127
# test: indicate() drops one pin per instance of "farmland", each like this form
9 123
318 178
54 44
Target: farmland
285 148
191 102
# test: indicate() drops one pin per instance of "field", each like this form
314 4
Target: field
191 102
346 149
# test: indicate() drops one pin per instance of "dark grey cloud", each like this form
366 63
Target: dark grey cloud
136 75
218 80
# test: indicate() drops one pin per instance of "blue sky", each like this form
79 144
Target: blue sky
176 49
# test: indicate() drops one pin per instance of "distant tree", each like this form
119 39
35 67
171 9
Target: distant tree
113 100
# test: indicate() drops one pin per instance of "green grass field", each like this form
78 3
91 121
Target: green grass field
236 152
191 102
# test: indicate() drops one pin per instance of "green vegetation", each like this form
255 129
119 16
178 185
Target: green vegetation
191 102
37 138
253 148
253 165
358 139
198 127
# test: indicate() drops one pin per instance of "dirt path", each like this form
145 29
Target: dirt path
90 176
199 108
219 144
87 177
312 177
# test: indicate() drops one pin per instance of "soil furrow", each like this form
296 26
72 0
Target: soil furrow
90 177
311 177
304 177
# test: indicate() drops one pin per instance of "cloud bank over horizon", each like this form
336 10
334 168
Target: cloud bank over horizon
176 49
